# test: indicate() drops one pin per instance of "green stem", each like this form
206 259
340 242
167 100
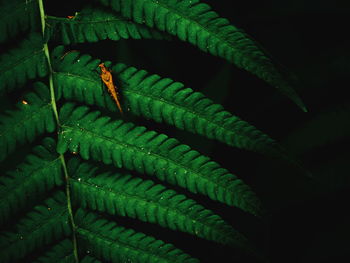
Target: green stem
63 161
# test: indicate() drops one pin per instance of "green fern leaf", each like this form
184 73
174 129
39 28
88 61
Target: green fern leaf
164 100
135 148
31 119
22 63
17 16
196 23
40 173
45 224
94 24
63 253
60 253
107 241
133 197
160 99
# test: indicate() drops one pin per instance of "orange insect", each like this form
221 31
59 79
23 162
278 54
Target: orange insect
72 17
107 79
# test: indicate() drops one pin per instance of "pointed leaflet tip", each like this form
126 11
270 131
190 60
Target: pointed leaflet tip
290 92
301 105
297 100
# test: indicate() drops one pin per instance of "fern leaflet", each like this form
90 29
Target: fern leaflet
196 23
94 24
63 253
133 197
46 223
160 99
40 173
17 16
115 244
60 253
27 61
134 148
27 122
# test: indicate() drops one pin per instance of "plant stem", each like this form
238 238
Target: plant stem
54 108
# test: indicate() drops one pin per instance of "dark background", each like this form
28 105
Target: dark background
307 219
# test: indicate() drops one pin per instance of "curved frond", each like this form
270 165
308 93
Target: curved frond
17 16
162 100
196 23
125 195
60 253
165 100
147 152
22 63
94 24
40 173
108 241
33 117
45 224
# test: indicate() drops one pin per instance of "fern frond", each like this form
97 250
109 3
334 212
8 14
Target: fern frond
22 63
147 152
40 173
165 100
108 241
94 24
45 224
60 253
160 99
196 23
149 202
31 119
18 16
